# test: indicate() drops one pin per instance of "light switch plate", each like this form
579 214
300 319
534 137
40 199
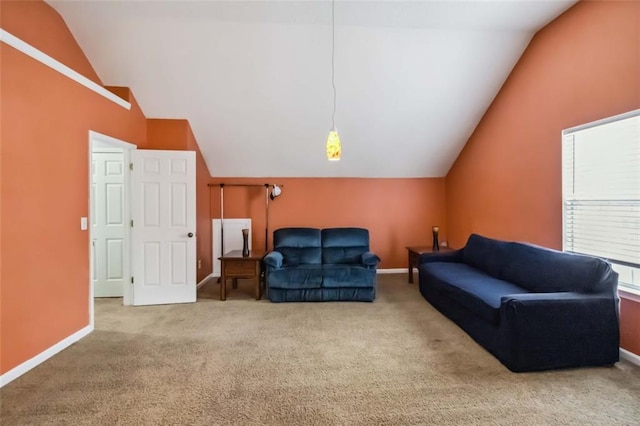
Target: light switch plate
83 223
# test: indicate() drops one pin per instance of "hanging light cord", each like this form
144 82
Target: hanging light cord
333 54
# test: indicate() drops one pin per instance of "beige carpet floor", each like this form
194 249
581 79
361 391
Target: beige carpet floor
396 361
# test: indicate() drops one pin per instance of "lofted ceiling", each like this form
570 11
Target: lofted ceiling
413 79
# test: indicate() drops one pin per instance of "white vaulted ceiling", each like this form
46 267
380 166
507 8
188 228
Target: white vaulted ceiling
254 78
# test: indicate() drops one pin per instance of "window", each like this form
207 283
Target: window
601 193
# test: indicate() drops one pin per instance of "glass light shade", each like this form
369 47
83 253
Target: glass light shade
334 149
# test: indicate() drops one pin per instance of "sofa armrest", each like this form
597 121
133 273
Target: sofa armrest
559 329
369 259
442 256
273 259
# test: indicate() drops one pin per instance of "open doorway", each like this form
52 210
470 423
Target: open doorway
109 217
154 190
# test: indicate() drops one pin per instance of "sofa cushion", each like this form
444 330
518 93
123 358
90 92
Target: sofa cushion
543 270
475 290
296 277
339 276
299 246
486 254
344 245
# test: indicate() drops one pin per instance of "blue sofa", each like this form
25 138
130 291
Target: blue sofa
313 265
532 308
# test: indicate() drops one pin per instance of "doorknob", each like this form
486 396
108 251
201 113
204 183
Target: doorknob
190 235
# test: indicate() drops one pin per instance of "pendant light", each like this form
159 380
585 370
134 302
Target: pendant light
334 149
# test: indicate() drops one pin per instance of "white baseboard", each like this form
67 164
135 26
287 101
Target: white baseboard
393 271
630 357
18 371
204 280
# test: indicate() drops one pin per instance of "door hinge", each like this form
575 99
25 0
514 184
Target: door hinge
130 166
131 280
132 223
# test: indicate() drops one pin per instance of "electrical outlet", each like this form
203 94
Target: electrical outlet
83 223
199 264
444 244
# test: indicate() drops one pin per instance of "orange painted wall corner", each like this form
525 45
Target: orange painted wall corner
506 183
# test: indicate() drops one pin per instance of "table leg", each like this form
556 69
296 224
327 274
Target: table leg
410 270
223 284
258 281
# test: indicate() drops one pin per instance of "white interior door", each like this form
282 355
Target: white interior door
109 221
163 209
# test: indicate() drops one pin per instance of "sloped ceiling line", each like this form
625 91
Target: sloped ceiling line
254 78
24 47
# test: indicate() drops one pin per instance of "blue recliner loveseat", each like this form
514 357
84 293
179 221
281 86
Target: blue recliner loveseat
532 308
313 265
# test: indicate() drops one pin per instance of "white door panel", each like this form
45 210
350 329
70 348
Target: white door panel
109 223
164 215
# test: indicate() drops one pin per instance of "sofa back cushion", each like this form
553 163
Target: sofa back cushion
486 254
344 245
543 270
299 246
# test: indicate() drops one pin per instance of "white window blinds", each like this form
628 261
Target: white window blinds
601 191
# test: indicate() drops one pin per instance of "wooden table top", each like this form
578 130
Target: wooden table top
237 254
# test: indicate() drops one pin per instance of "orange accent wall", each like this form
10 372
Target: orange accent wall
41 26
176 134
630 331
46 118
506 183
397 212
44 173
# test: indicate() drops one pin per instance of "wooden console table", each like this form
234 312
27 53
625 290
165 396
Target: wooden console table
235 266
414 257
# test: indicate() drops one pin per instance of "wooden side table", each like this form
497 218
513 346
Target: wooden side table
414 257
235 266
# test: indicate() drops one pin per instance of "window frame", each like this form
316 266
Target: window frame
627 290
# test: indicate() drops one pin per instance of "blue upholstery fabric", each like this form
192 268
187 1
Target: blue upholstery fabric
296 277
483 332
543 309
344 245
367 294
347 276
543 270
369 259
486 254
475 290
316 266
557 330
442 256
299 246
273 259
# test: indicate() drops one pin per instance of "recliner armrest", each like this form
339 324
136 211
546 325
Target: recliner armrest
273 259
369 259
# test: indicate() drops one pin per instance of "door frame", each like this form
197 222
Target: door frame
99 140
